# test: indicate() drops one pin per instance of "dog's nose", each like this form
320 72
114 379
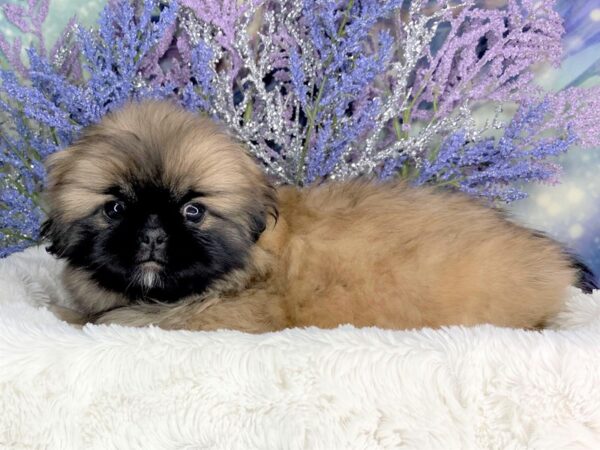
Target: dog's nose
153 236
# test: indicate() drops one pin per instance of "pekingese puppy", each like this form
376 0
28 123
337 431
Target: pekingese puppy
164 219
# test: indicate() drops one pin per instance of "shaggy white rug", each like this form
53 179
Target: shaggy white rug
107 387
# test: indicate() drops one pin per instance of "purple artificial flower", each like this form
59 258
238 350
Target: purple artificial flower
12 53
224 15
298 77
66 53
495 168
486 54
28 20
198 90
577 109
352 58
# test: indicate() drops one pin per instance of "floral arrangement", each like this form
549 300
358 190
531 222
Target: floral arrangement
317 89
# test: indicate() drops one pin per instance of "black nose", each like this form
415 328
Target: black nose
153 236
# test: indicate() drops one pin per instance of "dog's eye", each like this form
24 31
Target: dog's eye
193 212
114 209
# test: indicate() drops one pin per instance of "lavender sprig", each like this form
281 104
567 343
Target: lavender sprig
498 168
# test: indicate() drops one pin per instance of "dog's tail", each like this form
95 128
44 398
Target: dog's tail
587 280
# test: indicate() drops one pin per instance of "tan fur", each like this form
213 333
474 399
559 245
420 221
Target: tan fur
357 252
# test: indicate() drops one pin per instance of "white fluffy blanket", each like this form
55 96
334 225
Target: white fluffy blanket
112 387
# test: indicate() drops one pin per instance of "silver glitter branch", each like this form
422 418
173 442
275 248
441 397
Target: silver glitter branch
270 120
420 31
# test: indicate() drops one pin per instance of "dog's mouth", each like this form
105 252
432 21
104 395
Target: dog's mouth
152 264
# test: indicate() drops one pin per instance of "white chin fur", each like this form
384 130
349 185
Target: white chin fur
148 277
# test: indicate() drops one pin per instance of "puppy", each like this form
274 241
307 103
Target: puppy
164 219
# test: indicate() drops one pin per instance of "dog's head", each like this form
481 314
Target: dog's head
155 202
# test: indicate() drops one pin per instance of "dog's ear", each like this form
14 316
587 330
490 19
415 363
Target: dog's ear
46 234
258 223
49 232
259 219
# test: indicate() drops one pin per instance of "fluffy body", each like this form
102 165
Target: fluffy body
358 252
379 255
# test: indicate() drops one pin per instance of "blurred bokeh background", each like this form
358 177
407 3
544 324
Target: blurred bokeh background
569 211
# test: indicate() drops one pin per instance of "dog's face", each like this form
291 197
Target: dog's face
155 203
